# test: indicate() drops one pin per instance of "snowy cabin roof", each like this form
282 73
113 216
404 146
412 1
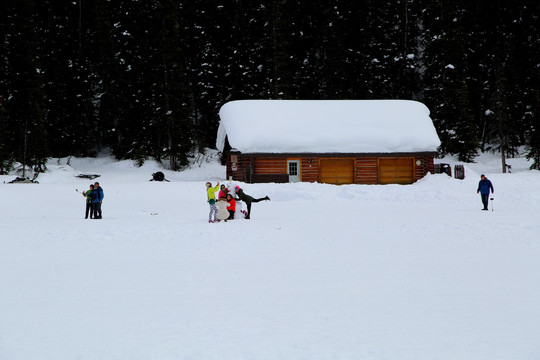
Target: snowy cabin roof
327 126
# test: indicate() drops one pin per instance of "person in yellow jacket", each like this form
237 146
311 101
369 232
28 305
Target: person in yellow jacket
211 192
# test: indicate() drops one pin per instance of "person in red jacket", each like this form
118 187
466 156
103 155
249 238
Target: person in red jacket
231 206
222 192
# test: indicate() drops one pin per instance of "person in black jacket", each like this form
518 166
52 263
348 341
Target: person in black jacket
90 196
247 199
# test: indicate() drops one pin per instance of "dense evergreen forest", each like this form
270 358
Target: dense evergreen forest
146 78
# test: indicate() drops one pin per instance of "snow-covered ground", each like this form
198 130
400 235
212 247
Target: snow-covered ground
319 272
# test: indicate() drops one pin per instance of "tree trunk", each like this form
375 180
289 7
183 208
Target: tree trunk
503 159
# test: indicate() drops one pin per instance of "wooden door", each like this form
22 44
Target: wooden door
396 170
336 171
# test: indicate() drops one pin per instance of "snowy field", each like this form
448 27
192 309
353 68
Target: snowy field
320 272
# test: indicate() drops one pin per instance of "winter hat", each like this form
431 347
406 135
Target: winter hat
236 188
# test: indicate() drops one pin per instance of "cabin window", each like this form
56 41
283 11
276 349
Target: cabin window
293 168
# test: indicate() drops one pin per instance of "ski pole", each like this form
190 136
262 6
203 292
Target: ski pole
492 203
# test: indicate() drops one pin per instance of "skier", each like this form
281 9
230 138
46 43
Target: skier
484 186
247 199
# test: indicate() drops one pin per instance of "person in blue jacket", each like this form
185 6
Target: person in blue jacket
484 186
98 190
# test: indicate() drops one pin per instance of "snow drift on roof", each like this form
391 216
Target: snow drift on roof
327 126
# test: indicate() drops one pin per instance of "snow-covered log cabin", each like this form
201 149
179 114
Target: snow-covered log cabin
327 141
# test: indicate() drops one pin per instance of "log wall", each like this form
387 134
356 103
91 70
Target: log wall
366 171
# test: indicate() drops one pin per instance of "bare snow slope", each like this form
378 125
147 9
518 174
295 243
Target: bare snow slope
320 272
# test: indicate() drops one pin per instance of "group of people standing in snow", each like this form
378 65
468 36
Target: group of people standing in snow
226 201
94 198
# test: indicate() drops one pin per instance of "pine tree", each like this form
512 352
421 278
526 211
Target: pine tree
508 91
69 109
6 158
277 32
173 130
392 50
25 96
211 67
445 77
6 154
110 75
531 31
533 141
